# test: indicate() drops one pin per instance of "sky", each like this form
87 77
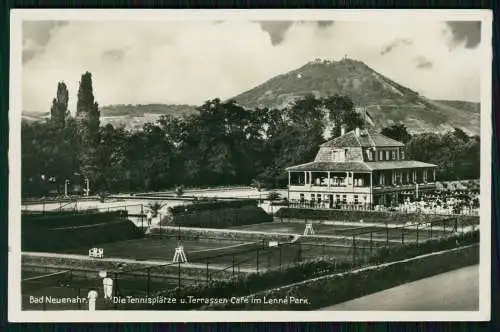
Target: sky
180 62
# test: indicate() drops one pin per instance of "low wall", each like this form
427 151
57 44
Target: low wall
194 233
370 216
332 289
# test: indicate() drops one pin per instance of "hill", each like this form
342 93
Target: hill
387 101
135 116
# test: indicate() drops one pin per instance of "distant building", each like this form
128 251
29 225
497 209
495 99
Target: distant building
361 168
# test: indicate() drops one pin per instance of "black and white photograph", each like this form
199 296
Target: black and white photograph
224 165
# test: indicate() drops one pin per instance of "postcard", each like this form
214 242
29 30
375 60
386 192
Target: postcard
250 165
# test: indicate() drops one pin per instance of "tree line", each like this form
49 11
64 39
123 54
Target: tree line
223 143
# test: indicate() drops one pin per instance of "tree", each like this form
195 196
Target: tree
59 110
87 116
341 112
397 132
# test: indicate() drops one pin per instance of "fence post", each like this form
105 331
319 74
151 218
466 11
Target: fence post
208 275
444 227
142 217
371 244
280 255
417 235
179 276
257 265
116 290
386 234
403 237
233 266
353 250
149 282
431 231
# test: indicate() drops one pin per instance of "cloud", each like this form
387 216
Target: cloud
395 43
113 54
36 34
465 32
190 62
276 30
423 62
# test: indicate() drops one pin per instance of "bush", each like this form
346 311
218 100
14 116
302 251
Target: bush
369 216
220 218
210 206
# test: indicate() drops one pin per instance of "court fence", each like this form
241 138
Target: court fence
359 247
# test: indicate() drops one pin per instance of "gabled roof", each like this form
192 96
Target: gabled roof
368 138
358 166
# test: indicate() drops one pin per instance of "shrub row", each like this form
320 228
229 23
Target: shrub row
221 218
339 288
295 272
211 205
369 216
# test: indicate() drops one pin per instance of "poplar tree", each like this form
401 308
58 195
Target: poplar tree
59 110
87 117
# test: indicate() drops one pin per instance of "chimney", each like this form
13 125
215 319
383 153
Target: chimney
342 130
358 132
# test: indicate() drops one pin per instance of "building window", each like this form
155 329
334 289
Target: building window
381 155
356 199
345 153
393 155
387 155
319 198
402 155
344 199
302 197
337 198
312 197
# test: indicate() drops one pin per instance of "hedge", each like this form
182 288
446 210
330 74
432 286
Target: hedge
220 218
369 216
288 274
342 287
201 205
